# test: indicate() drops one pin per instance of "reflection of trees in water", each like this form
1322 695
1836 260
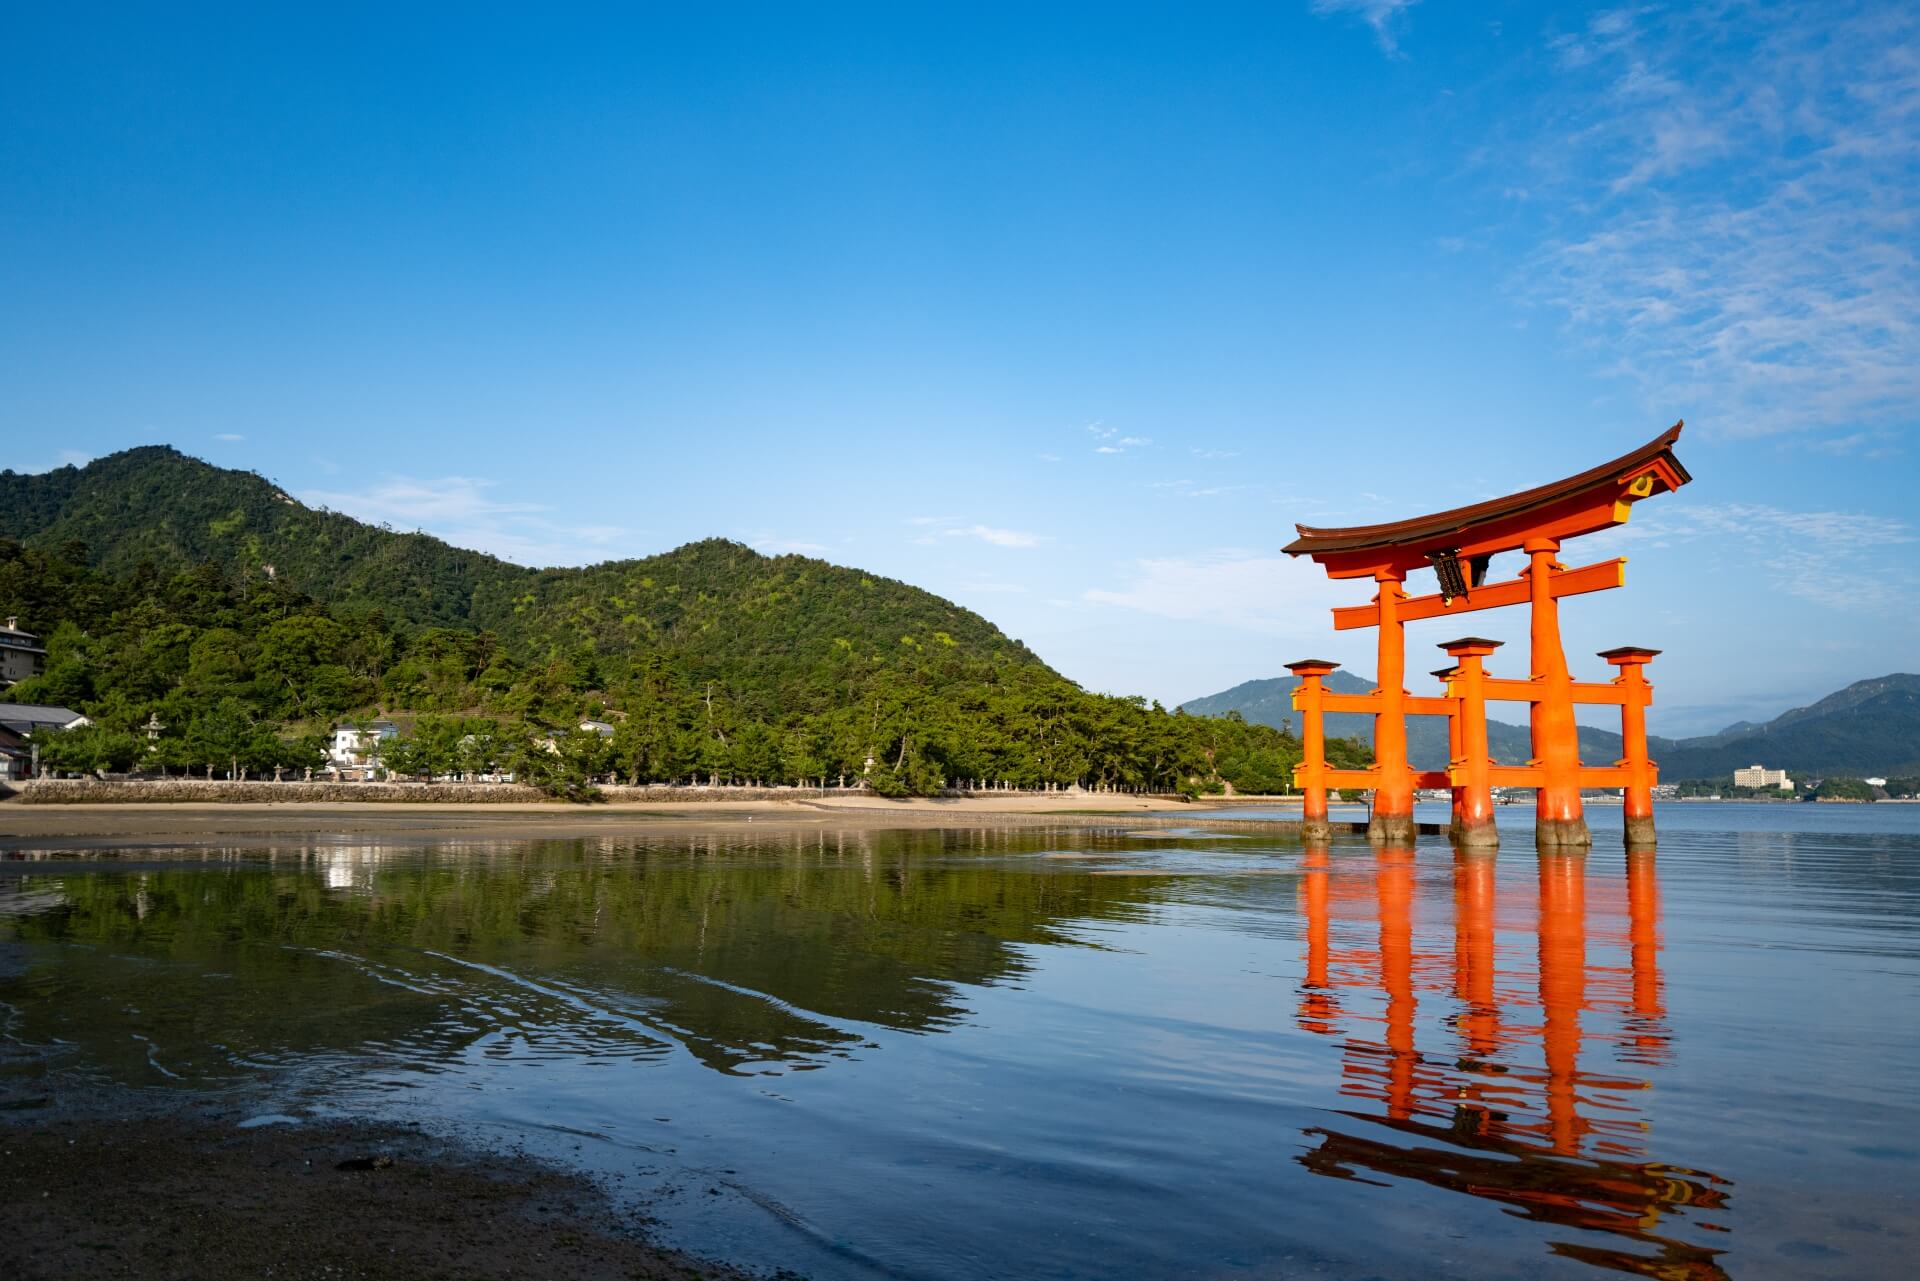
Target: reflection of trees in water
752 954
1507 1112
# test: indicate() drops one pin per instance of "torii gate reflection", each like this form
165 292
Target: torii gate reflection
1506 1112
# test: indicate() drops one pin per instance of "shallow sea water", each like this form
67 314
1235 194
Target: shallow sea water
1067 1052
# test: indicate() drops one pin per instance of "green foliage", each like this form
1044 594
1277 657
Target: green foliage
712 663
1844 789
90 749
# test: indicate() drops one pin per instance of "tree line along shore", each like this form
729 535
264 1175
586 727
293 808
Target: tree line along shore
248 676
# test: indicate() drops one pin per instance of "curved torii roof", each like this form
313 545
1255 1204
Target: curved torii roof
1582 504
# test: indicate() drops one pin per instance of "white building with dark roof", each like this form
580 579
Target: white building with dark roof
19 722
27 718
21 654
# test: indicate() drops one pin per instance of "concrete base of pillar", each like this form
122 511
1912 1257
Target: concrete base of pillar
1316 831
1562 833
1391 829
1482 835
1640 832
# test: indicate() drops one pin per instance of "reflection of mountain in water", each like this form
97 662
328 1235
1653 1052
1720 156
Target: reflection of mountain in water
752 957
1505 1111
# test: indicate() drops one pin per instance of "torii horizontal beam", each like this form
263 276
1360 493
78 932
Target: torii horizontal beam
1498 776
1566 582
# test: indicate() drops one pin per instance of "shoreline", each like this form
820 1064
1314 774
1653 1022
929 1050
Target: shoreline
204 822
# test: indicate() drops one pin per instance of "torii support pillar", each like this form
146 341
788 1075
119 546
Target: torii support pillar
1472 766
1637 799
1312 772
1446 677
1559 821
1392 820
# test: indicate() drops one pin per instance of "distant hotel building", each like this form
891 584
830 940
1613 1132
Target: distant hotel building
21 655
1761 776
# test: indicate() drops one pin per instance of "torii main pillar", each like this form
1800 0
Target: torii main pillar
1559 819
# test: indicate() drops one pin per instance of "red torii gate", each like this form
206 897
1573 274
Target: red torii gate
1458 545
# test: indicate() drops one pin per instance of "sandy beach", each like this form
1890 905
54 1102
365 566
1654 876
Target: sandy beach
197 822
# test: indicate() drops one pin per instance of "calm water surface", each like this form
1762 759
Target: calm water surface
1068 1053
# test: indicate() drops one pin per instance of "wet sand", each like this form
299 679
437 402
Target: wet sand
188 1194
189 823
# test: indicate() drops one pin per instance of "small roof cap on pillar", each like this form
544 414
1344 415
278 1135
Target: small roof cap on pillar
1318 666
1628 653
1470 642
1444 672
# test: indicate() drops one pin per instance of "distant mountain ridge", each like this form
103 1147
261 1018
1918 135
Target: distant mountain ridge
1870 727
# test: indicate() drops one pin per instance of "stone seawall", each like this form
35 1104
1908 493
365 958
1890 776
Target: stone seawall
163 791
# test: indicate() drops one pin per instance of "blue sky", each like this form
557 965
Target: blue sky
1064 313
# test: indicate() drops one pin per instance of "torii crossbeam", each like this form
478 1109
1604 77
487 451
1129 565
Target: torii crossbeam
1458 545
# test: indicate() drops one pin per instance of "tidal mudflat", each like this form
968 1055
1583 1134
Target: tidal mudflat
974 1052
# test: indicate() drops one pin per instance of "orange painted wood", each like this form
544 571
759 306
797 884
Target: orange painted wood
1369 704
1369 779
1638 798
1309 775
1599 693
1392 794
1530 775
1473 789
1598 577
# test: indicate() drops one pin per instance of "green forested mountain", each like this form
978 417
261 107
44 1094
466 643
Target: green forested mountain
248 623
156 506
781 631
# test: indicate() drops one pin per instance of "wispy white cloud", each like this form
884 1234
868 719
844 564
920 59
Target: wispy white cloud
939 527
1738 197
1859 444
1381 15
1192 489
998 537
1273 595
1214 455
463 511
64 458
1108 440
403 500
1845 561
230 437
771 546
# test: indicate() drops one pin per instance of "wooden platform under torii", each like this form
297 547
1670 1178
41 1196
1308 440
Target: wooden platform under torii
1458 546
